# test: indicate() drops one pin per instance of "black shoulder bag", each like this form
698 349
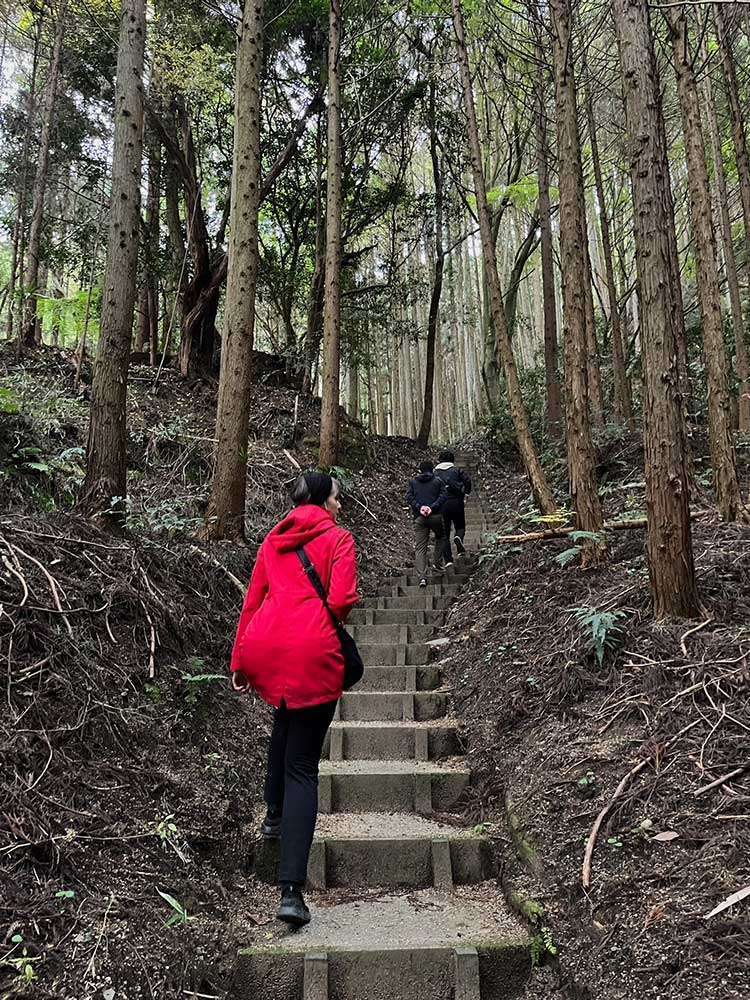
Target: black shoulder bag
354 668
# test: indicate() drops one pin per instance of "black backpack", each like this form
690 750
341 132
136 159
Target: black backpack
454 483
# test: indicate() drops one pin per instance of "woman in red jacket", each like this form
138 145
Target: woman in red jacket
288 651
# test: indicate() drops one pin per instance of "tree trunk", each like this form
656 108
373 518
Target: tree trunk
151 263
540 489
669 544
105 485
19 229
314 328
723 458
225 514
433 319
743 170
623 404
575 275
28 330
329 417
552 378
730 262
177 250
593 371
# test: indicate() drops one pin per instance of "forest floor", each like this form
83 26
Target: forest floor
132 775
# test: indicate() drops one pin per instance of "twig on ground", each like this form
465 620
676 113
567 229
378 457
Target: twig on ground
722 780
215 562
591 842
692 631
53 585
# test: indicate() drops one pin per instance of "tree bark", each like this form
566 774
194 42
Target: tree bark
730 262
669 544
723 458
539 487
105 485
593 370
743 170
623 404
329 418
575 275
552 378
433 319
225 514
28 330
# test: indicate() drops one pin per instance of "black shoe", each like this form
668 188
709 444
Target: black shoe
449 564
271 825
459 543
423 582
293 910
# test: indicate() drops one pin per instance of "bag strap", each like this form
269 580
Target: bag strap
312 575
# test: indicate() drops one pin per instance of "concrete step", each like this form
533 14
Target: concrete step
404 634
424 677
395 616
427 945
392 706
390 786
385 851
393 740
436 589
388 654
418 601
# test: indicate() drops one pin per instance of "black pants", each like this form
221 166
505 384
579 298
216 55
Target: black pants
454 516
292 782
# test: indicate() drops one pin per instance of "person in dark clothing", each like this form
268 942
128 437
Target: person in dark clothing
457 487
426 496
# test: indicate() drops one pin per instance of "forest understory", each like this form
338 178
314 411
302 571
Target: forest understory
137 773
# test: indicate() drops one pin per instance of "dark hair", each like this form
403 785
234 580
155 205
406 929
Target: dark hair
312 488
426 467
447 456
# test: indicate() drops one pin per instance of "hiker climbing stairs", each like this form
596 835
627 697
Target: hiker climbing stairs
391 785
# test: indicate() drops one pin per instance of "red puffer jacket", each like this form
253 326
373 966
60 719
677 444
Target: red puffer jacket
286 646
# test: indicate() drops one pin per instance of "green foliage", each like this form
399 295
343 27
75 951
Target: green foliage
542 945
180 915
523 194
605 632
568 555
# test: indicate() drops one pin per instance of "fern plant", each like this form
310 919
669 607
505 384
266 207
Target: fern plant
606 634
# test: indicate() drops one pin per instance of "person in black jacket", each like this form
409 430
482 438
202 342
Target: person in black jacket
426 496
457 487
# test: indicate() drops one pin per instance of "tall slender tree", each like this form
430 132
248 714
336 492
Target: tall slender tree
329 418
730 257
552 378
623 405
433 319
538 481
28 331
723 457
669 544
575 274
106 470
225 514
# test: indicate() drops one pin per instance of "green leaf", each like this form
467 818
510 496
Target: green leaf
65 894
563 558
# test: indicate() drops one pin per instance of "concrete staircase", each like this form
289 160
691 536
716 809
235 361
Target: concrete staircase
421 917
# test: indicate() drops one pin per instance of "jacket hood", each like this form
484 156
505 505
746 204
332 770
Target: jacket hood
299 527
425 477
445 465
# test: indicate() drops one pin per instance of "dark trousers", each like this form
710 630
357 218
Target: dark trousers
422 528
292 782
454 516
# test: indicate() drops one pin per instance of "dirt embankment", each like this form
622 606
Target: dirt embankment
567 686
129 771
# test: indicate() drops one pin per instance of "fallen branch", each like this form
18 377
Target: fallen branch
591 842
721 781
215 562
549 533
690 631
